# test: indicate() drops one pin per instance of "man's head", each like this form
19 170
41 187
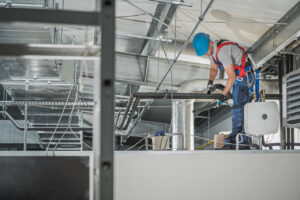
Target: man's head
202 44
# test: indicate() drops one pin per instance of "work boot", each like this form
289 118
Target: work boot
227 147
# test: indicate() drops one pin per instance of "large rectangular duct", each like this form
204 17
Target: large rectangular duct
291 99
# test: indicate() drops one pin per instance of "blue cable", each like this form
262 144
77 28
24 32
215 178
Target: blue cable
257 85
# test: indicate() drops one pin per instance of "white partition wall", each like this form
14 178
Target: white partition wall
209 175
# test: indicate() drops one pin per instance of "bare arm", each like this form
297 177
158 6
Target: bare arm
213 71
231 78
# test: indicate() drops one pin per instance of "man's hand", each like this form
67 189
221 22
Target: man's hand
223 98
210 87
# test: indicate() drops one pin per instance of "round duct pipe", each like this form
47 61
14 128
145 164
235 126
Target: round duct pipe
183 118
183 124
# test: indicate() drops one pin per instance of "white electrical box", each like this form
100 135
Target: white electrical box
261 118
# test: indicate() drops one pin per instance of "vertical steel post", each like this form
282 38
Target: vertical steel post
25 127
281 73
81 140
104 191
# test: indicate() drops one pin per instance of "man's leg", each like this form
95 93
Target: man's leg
240 98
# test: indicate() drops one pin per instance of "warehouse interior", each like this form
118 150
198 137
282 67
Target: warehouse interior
107 99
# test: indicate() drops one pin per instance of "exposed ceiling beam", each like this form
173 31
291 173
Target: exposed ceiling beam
175 2
277 38
165 13
50 51
9 15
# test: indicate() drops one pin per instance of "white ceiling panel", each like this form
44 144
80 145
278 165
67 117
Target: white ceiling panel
240 21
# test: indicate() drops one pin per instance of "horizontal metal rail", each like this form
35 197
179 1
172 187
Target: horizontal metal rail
45 16
50 51
45 103
44 128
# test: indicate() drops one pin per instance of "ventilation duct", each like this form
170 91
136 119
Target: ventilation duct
183 124
291 99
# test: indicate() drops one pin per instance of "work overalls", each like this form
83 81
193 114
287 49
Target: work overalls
240 93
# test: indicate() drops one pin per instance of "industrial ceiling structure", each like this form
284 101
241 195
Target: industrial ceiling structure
65 67
149 36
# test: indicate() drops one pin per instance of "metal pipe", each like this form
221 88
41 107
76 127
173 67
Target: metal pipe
270 145
169 95
43 128
282 129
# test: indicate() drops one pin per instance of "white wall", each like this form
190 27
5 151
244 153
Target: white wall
212 175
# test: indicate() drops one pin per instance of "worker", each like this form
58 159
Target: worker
229 57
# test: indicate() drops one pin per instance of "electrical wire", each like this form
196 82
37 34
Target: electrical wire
59 118
136 143
203 138
69 127
141 147
85 69
145 12
150 14
207 139
136 15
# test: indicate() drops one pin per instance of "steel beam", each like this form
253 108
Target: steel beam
178 2
45 16
50 51
165 13
277 38
105 160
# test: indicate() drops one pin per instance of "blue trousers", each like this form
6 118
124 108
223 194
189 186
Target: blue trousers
240 95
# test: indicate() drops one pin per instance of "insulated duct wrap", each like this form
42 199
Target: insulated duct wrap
183 125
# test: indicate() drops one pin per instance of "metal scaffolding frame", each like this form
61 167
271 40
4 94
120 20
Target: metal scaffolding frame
105 76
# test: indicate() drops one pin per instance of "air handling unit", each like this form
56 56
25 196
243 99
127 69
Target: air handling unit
291 99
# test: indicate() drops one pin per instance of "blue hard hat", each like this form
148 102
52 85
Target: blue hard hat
201 43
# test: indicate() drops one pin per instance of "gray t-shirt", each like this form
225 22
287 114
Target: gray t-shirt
228 54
